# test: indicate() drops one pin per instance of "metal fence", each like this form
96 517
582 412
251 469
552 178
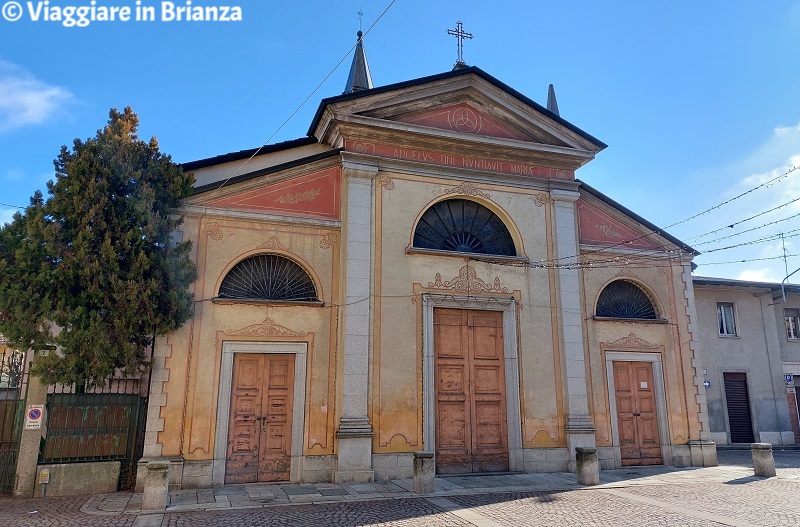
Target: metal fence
103 424
13 384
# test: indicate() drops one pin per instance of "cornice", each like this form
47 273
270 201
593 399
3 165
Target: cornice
214 212
461 137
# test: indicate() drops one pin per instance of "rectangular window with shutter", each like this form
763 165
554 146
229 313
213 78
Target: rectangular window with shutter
726 320
792 323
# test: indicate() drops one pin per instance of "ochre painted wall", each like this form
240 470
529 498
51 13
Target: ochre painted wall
219 243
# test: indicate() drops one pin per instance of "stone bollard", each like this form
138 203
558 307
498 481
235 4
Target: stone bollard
588 466
156 486
424 471
763 462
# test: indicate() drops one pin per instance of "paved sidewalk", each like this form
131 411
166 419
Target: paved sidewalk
260 495
728 495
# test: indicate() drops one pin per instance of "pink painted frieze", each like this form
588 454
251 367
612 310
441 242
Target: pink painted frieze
599 228
315 195
434 157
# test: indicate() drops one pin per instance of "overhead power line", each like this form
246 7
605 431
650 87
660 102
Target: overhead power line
747 230
765 184
265 143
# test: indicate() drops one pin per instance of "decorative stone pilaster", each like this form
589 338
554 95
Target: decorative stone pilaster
354 460
703 452
579 428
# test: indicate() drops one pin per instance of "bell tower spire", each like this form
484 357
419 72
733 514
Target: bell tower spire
552 103
360 77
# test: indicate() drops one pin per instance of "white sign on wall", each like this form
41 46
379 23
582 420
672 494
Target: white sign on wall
34 415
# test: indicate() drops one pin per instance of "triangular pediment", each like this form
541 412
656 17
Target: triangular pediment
468 107
315 195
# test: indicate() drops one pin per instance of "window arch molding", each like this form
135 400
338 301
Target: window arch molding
498 211
293 258
644 292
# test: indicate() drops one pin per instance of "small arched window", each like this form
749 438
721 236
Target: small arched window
268 277
463 226
624 299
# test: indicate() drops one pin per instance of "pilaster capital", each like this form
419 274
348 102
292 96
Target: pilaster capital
564 196
359 171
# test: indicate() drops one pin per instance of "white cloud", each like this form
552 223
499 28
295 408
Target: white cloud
26 100
6 215
772 159
759 275
13 174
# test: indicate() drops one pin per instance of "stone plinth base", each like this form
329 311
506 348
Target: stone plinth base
763 462
703 453
354 460
424 472
580 434
588 466
156 486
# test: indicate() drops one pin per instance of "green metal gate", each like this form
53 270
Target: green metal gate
104 424
13 378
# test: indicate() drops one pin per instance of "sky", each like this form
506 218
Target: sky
699 102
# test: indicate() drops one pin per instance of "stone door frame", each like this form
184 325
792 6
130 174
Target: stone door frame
508 307
661 400
229 349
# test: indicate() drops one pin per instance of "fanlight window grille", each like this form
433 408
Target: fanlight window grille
463 226
623 299
268 277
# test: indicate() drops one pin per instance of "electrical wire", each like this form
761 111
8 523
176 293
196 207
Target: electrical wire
237 171
765 184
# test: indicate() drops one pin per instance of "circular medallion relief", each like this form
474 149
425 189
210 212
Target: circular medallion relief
465 120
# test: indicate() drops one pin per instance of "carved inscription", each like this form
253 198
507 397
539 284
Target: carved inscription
441 158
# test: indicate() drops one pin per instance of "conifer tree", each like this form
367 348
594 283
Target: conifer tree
92 273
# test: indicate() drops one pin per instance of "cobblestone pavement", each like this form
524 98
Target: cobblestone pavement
642 496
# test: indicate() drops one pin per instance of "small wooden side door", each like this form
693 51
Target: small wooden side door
637 415
259 429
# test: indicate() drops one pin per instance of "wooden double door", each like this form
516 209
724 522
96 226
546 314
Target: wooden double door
260 425
637 414
469 378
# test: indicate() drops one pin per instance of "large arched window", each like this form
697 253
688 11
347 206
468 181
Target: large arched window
624 299
463 226
268 277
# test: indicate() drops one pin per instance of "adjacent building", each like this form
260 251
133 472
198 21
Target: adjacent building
748 332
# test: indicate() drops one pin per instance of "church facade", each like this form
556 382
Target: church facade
424 272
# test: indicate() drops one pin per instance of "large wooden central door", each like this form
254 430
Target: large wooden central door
260 426
639 441
471 427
